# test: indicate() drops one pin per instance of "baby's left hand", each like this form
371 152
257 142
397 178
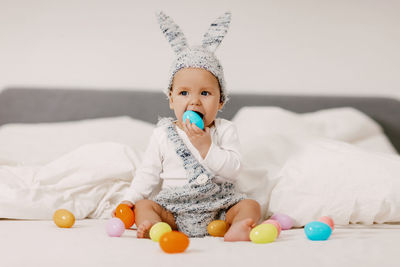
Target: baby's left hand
199 138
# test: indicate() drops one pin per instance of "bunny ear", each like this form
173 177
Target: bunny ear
217 31
172 32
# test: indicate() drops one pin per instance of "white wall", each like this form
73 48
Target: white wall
282 46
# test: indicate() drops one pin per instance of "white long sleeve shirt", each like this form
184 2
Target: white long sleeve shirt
162 166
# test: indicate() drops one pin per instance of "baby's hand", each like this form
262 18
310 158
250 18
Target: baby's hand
200 139
126 202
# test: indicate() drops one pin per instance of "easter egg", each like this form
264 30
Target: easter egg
263 233
317 231
285 221
63 218
275 223
158 229
174 242
193 118
115 227
125 213
328 220
217 228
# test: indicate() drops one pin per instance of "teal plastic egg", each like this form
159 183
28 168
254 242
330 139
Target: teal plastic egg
317 231
193 118
263 233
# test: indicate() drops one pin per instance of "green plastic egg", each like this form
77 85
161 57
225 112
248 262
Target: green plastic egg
263 233
158 229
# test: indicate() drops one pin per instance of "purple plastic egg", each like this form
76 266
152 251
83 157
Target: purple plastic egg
285 221
115 227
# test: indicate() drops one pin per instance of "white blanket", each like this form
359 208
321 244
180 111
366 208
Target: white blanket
270 136
89 182
331 178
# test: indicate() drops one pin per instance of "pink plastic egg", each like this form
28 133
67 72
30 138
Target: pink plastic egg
275 223
328 220
115 227
285 221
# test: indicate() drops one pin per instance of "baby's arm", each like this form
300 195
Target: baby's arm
147 176
223 157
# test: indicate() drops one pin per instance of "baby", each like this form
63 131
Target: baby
194 168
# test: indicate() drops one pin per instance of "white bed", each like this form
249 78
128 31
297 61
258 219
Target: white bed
303 156
42 243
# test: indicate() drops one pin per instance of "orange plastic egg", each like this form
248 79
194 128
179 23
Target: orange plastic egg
174 242
217 228
328 220
63 218
125 213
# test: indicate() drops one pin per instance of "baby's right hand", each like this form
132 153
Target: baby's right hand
126 202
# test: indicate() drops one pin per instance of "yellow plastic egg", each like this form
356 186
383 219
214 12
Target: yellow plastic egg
158 229
263 233
63 218
217 228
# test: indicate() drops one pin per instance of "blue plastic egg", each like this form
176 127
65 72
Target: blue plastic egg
193 118
317 231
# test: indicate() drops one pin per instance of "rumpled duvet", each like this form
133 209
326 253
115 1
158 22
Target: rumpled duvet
88 181
91 179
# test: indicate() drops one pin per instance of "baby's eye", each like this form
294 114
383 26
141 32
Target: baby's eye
183 93
205 93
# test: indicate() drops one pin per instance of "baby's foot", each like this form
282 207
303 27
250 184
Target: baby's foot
240 231
144 229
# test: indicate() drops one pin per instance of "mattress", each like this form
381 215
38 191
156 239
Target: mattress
42 243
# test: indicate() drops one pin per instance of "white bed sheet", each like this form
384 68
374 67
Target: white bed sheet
41 243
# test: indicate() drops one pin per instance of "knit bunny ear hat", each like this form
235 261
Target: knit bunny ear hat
196 56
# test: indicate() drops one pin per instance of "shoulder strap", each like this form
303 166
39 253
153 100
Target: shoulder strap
190 163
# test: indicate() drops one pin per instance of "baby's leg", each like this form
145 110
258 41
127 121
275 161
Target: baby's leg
147 213
242 217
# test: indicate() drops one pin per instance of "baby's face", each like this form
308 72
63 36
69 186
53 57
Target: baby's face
198 90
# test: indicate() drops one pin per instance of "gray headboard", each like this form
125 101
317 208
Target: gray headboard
30 105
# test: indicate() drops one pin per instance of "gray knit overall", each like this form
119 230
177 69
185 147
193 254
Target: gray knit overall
201 200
